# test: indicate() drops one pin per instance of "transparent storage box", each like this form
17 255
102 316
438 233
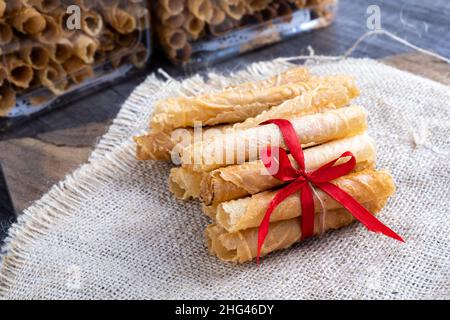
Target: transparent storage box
203 32
52 51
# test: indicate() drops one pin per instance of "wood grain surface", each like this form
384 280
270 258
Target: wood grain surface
41 152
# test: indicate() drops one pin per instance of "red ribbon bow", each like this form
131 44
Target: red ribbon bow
300 180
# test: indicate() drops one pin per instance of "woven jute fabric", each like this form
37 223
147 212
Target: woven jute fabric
112 230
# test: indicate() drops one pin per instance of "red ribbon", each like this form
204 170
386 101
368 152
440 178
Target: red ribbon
300 180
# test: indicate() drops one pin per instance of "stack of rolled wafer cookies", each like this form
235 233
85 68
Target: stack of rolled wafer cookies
222 166
182 22
56 44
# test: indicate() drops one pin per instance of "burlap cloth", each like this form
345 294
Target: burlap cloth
112 229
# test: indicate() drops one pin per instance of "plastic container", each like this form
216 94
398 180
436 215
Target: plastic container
52 51
202 32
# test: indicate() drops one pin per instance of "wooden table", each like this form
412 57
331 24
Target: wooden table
40 153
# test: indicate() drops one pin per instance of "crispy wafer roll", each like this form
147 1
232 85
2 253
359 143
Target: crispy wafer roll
194 26
245 145
6 33
45 6
107 40
182 55
139 56
92 23
128 40
201 9
52 31
54 78
232 105
180 178
325 93
172 21
35 54
299 3
256 5
175 39
241 246
19 73
239 181
120 20
241 214
77 70
61 17
85 48
28 21
2 8
159 145
234 8
61 50
88 5
173 7
7 98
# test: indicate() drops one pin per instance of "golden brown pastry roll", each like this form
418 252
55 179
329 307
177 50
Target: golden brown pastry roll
241 180
139 56
7 98
172 21
173 7
61 50
128 40
77 70
107 40
364 186
218 15
2 8
201 9
28 21
234 8
19 72
175 39
240 146
194 26
159 145
120 20
324 93
35 54
91 23
180 178
88 5
45 6
84 47
181 55
253 6
6 33
52 31
241 246
232 105
54 77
